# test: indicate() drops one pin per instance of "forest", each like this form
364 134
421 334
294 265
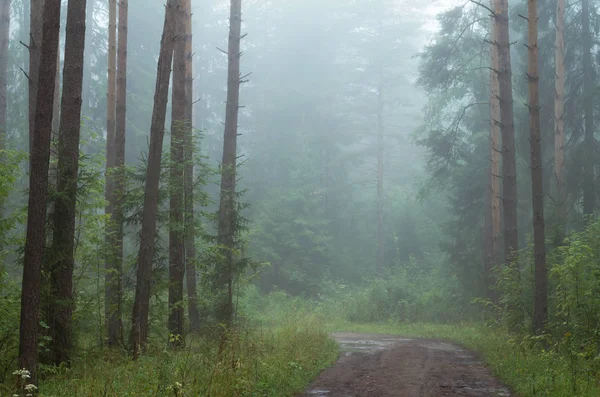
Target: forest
195 196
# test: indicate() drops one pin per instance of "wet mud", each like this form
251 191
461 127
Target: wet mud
373 365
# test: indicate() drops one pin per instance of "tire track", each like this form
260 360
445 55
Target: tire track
372 365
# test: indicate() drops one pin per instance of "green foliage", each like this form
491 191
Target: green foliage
10 298
409 294
258 363
11 215
10 218
291 234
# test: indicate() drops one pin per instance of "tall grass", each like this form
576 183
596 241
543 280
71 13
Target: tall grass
521 362
257 362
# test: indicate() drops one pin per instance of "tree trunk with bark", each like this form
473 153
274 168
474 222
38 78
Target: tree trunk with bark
227 207
35 45
176 203
141 306
493 228
380 149
116 326
112 276
38 192
61 271
537 184
559 120
87 68
589 196
188 152
4 39
509 162
380 154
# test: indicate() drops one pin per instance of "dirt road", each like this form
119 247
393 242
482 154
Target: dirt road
384 365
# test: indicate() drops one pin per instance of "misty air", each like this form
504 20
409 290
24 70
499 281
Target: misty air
299 198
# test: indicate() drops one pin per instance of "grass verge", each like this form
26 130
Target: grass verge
259 363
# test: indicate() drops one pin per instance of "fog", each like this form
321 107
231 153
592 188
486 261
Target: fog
213 188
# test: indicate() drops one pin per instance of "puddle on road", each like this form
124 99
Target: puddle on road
318 393
441 346
367 345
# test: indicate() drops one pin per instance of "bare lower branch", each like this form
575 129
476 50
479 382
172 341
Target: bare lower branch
486 7
25 73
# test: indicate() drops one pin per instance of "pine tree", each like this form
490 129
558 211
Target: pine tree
588 112
537 183
4 39
559 118
176 203
38 192
63 245
188 152
507 127
493 216
112 276
141 305
35 45
227 206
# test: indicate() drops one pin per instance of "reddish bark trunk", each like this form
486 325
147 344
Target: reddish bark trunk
112 272
38 193
190 230
141 306
4 39
509 162
537 183
227 207
559 120
61 272
589 197
176 226
35 45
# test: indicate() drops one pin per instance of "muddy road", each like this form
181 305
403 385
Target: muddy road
373 365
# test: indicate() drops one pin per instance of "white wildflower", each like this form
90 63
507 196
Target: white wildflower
30 387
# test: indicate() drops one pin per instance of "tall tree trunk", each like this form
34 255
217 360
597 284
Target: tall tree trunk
493 202
4 39
38 192
35 43
588 109
537 184
48 298
176 227
141 306
61 274
380 148
57 104
111 285
509 162
190 229
559 120
87 66
227 208
53 171
116 326
380 154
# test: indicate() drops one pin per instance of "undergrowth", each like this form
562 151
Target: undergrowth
254 362
530 366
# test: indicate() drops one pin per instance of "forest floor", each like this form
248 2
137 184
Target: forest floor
374 365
